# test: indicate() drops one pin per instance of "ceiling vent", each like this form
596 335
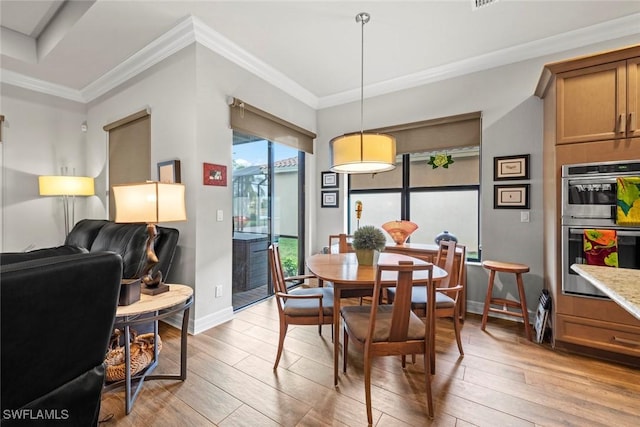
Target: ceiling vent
477 4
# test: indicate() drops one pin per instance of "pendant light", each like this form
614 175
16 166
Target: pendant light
361 152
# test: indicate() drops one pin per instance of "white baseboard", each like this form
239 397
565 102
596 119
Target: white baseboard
200 325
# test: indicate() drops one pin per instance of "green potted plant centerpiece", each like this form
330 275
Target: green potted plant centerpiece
368 242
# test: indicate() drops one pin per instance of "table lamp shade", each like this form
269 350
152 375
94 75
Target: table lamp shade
149 202
65 185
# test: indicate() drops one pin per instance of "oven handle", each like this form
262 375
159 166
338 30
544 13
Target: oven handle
623 233
598 180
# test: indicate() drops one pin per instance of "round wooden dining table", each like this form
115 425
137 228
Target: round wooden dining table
344 272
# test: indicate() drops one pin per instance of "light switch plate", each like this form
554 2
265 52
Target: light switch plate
524 216
219 215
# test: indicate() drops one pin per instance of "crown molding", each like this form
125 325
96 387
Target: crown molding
610 30
224 47
192 30
174 40
37 85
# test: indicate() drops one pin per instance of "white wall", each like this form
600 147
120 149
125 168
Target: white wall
41 134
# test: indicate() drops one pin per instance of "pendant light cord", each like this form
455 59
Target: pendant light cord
362 18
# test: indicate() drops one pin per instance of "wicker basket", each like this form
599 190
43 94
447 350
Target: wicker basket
141 355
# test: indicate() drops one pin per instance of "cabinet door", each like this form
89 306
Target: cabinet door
633 97
591 103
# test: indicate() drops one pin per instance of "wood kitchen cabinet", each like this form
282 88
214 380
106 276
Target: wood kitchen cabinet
597 97
591 108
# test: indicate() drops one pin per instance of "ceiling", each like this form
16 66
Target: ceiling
309 49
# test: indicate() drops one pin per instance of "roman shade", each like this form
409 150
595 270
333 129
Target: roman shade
250 120
463 130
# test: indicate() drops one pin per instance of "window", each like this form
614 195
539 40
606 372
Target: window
437 199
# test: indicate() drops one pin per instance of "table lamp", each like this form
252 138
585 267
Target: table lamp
150 202
67 187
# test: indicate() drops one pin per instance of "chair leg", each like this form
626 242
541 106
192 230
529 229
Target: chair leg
487 300
456 329
367 386
345 350
427 380
283 333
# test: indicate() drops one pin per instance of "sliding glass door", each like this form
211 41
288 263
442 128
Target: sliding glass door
268 202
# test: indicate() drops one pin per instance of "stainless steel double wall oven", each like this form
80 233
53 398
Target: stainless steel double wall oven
589 198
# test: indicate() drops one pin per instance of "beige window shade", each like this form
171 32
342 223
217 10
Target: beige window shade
130 118
250 120
463 130
129 153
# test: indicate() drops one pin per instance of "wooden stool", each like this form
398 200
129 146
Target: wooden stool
506 267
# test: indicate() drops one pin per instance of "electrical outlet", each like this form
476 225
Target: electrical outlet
219 215
218 291
524 216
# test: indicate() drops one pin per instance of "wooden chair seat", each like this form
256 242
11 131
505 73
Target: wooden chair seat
358 317
296 307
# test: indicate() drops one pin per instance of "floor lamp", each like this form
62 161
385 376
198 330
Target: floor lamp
150 203
67 187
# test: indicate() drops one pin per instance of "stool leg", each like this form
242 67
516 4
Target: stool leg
487 300
523 306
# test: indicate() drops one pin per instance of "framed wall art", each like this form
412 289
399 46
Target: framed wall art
511 167
169 172
513 196
214 174
330 180
329 199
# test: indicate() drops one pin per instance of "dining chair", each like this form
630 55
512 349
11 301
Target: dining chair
391 329
340 242
448 289
300 306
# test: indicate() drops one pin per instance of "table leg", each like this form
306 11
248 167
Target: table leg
127 370
336 332
183 344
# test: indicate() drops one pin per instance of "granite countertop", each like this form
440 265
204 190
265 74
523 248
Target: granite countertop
622 285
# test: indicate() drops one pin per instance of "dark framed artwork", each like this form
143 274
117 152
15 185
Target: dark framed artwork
214 174
511 167
513 196
169 171
330 199
330 180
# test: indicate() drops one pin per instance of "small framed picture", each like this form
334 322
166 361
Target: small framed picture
169 172
329 199
330 180
511 167
214 174
514 196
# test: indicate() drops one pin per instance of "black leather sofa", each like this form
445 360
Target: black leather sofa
128 240
57 309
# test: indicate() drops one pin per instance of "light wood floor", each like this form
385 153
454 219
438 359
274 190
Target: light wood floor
503 380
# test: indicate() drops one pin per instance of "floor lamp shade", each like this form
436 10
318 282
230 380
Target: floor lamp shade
362 153
149 202
64 185
67 187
